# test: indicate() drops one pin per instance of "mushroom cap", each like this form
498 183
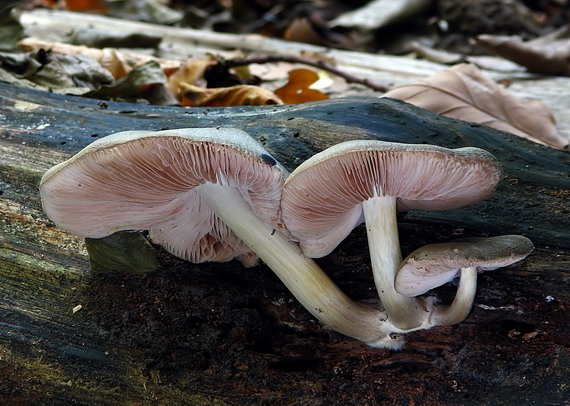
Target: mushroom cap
144 180
322 198
434 265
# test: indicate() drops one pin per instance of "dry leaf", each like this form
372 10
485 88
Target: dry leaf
115 62
144 82
301 30
312 28
297 90
64 72
464 92
538 56
67 74
189 72
118 63
240 95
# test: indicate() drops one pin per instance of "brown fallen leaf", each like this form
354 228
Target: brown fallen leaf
312 28
240 95
550 57
465 92
297 88
301 30
189 72
118 63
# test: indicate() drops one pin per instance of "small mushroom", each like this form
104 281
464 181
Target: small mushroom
355 181
434 265
205 195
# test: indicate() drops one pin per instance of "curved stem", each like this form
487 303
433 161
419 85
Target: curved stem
385 255
459 309
302 276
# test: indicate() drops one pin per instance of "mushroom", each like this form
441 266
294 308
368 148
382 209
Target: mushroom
434 265
205 195
355 181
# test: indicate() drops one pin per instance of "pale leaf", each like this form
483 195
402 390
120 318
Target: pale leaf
466 93
240 95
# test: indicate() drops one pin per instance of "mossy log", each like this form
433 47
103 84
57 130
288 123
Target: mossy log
220 334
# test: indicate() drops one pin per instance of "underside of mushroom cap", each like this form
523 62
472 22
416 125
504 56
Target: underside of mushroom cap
145 181
322 198
436 264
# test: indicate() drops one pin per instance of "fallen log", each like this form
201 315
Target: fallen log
215 333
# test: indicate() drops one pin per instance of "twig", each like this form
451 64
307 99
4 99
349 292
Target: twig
232 63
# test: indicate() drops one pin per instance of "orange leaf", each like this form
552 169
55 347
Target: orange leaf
240 95
466 93
86 5
297 88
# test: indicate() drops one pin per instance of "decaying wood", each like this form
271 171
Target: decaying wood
219 334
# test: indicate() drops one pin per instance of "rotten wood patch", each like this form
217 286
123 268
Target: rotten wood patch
220 334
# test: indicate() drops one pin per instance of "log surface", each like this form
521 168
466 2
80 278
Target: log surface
220 334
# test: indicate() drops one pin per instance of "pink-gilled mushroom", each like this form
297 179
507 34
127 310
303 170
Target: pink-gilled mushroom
355 181
205 195
436 264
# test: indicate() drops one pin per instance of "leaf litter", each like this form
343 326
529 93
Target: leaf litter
462 92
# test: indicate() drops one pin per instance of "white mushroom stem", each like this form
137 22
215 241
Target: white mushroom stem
386 257
302 276
459 309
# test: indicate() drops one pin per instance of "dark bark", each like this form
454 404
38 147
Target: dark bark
209 333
